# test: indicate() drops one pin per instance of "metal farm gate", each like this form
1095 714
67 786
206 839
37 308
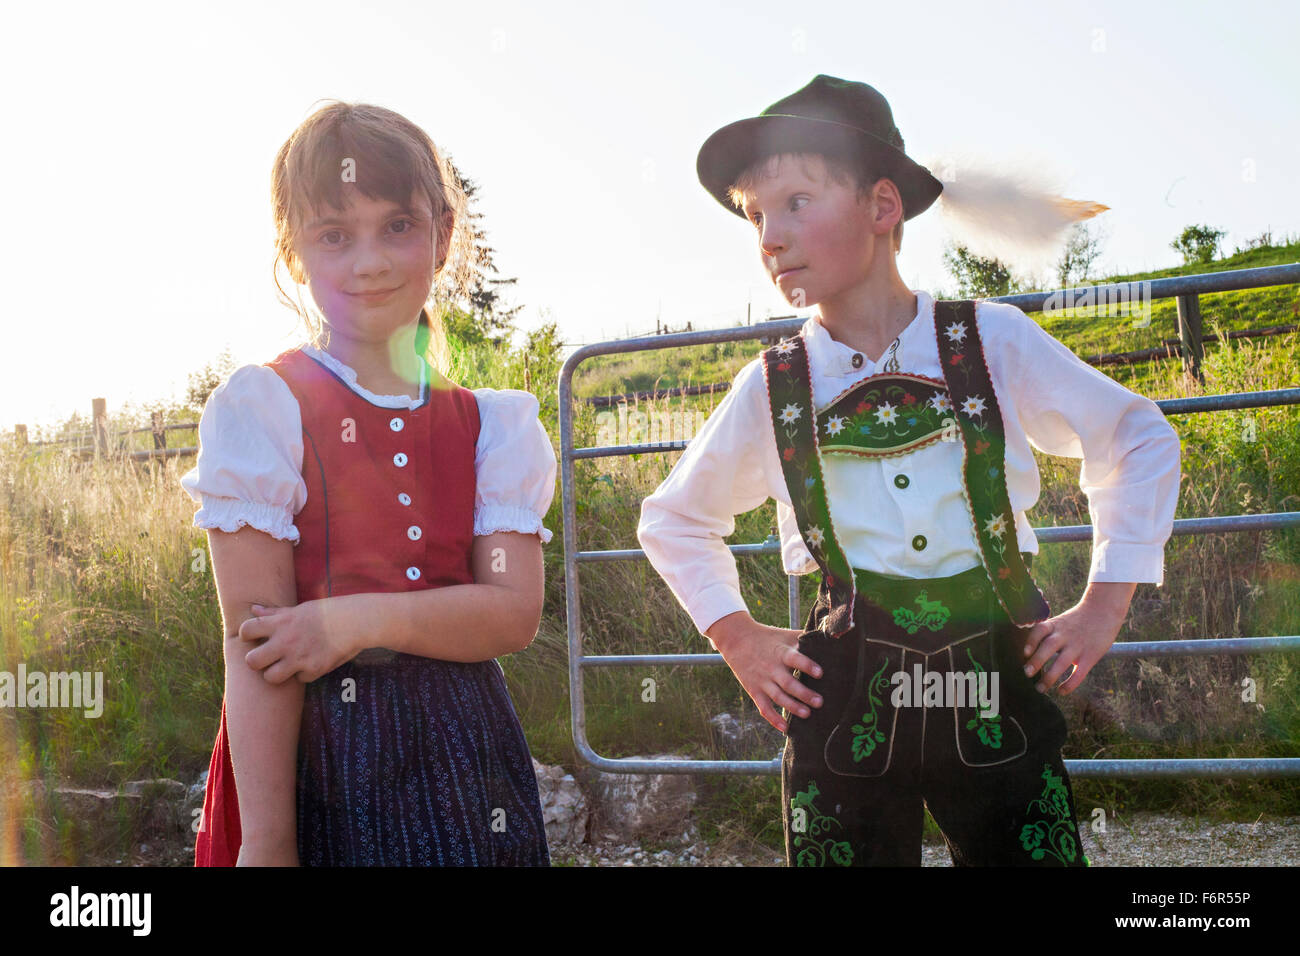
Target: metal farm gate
1185 288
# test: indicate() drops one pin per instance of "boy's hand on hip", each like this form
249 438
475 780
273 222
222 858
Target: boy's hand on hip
763 658
1079 638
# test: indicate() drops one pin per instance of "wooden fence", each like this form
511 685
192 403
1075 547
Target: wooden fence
99 443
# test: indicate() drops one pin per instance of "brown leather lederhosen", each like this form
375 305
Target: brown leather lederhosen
858 770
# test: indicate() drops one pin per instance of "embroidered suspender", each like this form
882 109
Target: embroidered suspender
794 420
970 396
984 460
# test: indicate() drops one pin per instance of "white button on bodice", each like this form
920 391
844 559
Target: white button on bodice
413 573
414 532
404 498
400 459
396 424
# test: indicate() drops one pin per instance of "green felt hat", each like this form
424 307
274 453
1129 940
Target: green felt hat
829 116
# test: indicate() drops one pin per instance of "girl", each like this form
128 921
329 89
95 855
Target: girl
894 432
376 535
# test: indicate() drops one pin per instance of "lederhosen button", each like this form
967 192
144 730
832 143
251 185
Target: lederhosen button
902 481
919 542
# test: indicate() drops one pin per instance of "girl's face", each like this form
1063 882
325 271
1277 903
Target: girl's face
370 266
816 238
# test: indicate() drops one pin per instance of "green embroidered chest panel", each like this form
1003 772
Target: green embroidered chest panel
886 416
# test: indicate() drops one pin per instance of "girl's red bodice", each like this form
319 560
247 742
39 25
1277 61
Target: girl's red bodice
390 507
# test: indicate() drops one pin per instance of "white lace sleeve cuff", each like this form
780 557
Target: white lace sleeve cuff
492 518
514 465
231 514
249 466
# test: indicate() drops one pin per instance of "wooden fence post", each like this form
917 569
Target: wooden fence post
1189 334
99 415
159 433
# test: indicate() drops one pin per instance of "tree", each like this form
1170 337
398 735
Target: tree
201 384
1082 249
481 305
1198 244
977 277
1263 241
543 355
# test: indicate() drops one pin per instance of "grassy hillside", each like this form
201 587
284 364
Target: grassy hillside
1086 331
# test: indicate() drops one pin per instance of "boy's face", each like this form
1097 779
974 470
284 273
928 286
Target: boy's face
816 237
371 246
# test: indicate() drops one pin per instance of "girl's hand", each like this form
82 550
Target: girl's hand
1080 638
297 640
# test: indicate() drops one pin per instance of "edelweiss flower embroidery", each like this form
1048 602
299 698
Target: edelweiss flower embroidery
790 413
784 349
835 425
956 331
815 538
885 414
995 526
973 406
940 401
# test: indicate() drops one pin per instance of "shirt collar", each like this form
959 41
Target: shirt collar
349 376
834 360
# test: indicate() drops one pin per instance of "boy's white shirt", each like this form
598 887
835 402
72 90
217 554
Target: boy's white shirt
1050 399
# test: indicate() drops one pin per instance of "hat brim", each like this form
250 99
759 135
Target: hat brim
726 154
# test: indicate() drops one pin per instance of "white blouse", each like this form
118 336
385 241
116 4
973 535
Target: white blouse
1050 400
249 467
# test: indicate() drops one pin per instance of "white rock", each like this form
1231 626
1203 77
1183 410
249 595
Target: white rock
634 806
564 805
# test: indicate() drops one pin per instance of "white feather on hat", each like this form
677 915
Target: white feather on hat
1007 209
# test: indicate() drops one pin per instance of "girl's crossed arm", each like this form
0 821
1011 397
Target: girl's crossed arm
262 720
498 614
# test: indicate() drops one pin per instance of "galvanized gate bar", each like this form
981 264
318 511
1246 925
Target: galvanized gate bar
1130 769
1170 406
1186 648
1029 302
1050 534
1167 288
1188 767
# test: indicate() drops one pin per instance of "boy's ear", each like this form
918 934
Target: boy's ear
888 204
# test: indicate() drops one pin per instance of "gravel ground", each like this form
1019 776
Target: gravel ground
1137 839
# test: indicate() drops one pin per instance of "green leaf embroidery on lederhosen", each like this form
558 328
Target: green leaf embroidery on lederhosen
813 830
987 729
1054 833
794 424
970 387
867 732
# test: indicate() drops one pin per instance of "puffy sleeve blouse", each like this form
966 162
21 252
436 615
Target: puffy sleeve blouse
249 467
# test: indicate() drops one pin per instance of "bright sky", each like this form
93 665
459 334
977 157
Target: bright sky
140 139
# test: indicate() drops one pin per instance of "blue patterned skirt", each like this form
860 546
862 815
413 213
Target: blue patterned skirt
415 762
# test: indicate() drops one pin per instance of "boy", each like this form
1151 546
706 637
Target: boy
910 422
